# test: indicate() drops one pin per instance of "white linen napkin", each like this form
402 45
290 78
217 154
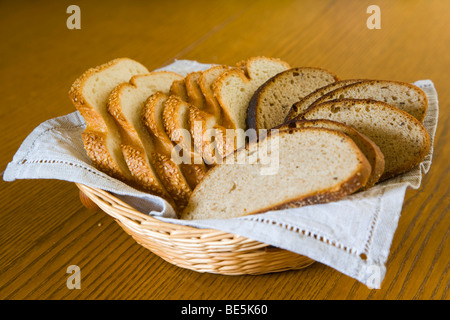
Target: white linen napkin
353 235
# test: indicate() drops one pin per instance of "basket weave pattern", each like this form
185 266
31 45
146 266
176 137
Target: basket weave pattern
201 250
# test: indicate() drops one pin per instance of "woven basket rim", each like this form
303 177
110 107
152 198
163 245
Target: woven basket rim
113 205
198 249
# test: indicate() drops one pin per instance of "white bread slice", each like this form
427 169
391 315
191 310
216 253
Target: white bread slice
300 106
367 146
178 88
153 120
193 91
101 138
401 138
176 124
235 87
201 128
315 165
205 82
272 101
147 164
404 96
211 140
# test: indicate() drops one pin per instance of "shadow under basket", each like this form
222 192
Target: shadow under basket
201 250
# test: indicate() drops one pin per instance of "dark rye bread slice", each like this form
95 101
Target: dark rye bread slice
401 138
300 106
404 96
367 146
272 101
314 165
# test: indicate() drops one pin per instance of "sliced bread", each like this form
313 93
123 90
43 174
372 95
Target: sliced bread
401 138
235 87
101 138
153 120
211 140
178 88
193 91
367 146
201 128
315 165
206 81
272 101
177 126
300 106
404 96
147 164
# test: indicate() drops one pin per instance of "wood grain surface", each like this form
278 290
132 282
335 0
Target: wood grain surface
44 228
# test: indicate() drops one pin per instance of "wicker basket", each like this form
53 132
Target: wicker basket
201 250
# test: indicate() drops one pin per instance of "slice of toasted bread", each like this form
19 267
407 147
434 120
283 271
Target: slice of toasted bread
147 164
300 106
315 165
89 93
367 146
272 100
404 96
401 138
235 87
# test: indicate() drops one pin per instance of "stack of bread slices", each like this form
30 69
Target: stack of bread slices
186 138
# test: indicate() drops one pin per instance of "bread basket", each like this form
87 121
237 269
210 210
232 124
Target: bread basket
201 250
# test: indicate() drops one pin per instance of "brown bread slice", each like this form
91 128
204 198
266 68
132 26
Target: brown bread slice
401 138
315 165
300 106
272 101
367 146
404 96
101 138
148 165
235 87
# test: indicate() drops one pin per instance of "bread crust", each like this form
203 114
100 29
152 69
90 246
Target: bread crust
196 169
205 83
194 93
152 118
95 146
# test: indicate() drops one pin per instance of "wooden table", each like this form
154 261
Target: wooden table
45 228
